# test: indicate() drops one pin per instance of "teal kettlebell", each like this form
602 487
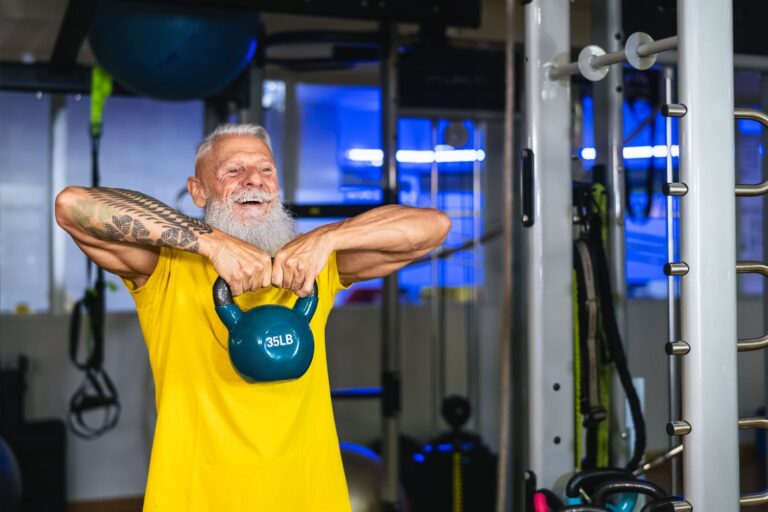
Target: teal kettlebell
267 343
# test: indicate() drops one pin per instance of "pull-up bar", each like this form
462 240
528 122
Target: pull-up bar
640 51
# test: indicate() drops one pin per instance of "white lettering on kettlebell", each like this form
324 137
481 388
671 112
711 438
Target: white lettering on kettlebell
278 341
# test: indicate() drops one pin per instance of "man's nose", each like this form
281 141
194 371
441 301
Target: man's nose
253 178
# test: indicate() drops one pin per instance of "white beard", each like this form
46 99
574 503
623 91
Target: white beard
269 231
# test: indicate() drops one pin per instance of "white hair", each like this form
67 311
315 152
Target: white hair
232 130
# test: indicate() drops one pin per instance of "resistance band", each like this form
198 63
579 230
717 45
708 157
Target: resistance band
96 391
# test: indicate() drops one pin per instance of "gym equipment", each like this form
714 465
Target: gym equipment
96 392
364 472
10 479
639 51
598 336
163 53
271 342
38 447
456 471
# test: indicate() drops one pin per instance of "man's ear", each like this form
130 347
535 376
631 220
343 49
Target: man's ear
196 192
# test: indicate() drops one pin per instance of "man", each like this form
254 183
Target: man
221 443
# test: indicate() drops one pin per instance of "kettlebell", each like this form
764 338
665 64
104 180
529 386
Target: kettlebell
271 342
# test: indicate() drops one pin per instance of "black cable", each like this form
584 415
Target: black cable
608 488
96 391
615 345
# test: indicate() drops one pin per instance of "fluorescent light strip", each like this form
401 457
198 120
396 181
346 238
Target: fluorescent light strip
634 152
408 156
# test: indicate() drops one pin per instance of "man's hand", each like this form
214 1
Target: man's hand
243 266
298 263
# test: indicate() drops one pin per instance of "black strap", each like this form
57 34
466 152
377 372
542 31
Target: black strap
613 336
96 391
592 411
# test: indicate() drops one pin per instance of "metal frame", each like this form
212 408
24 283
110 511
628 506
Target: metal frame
548 245
390 312
462 13
708 236
609 142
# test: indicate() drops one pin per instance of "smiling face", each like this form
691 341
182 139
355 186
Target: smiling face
238 170
236 184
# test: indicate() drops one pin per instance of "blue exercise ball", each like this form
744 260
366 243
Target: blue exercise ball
10 479
173 55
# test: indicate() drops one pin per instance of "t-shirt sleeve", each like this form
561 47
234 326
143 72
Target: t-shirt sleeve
146 294
334 279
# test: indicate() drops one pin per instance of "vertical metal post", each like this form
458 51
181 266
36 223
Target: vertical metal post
292 141
390 321
513 407
549 244
673 332
255 111
609 142
436 328
58 165
473 338
708 233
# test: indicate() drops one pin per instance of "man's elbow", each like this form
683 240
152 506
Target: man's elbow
442 226
63 205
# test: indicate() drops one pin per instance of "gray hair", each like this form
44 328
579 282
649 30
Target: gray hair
231 130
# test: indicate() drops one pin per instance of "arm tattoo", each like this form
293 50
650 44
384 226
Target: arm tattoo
132 210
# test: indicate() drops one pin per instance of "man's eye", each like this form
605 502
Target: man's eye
233 171
267 169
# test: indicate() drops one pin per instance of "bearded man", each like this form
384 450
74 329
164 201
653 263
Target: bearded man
221 443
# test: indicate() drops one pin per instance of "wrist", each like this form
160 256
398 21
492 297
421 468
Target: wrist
330 236
210 243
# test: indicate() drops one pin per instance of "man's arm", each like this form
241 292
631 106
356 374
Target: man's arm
373 244
122 231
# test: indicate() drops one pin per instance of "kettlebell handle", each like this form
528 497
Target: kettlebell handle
305 306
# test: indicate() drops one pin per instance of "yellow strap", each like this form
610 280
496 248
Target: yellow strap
457 490
101 89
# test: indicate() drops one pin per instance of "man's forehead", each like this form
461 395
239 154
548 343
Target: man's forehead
245 148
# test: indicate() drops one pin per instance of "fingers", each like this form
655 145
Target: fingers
289 272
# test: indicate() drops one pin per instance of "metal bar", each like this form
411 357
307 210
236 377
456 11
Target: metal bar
390 312
446 253
608 59
708 235
563 71
752 344
662 45
758 189
752 267
644 50
658 461
510 489
458 13
673 331
435 320
753 422
473 340
74 27
609 142
548 244
616 218
753 500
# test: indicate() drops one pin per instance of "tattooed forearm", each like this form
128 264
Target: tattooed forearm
125 215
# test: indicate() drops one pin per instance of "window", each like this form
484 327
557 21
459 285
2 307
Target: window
25 207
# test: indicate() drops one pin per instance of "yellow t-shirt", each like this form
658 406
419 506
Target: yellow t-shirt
222 444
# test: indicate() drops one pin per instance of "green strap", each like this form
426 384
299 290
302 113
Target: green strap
600 207
101 89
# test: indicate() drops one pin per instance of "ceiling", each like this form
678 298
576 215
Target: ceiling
28 28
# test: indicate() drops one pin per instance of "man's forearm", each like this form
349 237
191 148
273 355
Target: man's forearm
119 215
391 229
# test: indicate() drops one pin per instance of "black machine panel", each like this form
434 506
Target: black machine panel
659 19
